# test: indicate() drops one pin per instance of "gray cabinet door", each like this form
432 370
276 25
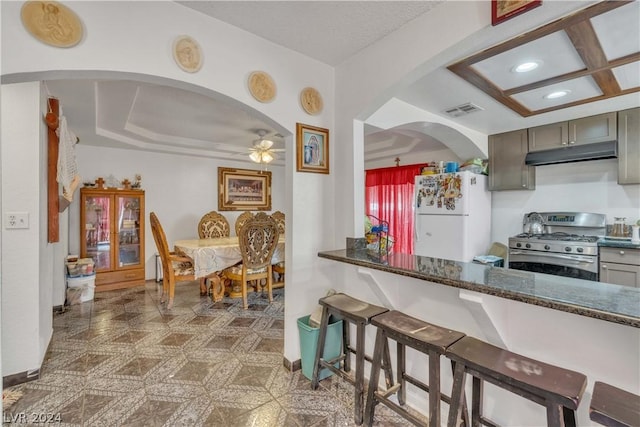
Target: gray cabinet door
620 274
507 170
589 130
629 146
547 137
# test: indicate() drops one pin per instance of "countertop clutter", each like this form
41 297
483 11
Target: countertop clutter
604 301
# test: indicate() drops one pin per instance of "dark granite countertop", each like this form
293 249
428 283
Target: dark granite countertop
612 303
615 243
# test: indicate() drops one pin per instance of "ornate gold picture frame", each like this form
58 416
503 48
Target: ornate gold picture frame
244 190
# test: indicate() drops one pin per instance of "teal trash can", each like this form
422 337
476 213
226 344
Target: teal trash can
309 345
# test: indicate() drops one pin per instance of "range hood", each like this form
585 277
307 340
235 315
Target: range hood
577 153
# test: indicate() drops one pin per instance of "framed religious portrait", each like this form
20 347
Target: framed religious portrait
312 149
501 10
244 190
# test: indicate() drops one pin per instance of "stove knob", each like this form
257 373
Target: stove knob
580 250
567 249
547 247
528 246
518 245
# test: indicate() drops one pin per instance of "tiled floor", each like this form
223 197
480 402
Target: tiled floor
125 360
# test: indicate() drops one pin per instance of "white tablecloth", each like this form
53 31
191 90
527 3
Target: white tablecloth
211 255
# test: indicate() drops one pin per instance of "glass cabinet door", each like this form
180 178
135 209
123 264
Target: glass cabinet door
128 229
98 230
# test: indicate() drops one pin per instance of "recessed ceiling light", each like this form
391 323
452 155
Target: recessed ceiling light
557 94
526 66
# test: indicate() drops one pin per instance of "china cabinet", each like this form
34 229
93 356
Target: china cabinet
112 233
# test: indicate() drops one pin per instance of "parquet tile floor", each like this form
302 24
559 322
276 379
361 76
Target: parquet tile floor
123 359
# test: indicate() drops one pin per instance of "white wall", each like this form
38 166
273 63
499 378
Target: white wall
26 257
179 189
576 187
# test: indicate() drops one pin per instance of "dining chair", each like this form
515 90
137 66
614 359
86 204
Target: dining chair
175 267
244 216
213 225
257 239
278 268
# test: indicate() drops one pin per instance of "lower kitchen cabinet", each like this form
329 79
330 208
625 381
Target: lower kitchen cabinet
620 266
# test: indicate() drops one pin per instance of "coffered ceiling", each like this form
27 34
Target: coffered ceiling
590 55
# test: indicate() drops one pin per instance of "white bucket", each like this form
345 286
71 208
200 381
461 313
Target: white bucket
86 283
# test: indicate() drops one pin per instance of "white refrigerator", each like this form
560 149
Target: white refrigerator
452 216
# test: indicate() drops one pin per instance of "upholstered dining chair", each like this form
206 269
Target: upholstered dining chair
257 238
212 225
278 268
244 216
175 267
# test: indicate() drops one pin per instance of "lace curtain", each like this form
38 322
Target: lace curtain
389 196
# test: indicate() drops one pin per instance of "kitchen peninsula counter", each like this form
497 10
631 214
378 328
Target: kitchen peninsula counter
612 303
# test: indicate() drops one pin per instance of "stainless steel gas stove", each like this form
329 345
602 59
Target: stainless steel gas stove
565 244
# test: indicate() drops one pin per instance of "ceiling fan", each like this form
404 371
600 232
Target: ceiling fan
262 150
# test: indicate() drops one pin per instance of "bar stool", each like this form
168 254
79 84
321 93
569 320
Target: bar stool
558 389
360 313
424 337
614 407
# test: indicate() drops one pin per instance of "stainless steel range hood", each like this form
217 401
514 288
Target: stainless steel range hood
578 153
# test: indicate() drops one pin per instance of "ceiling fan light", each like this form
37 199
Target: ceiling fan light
267 157
525 67
265 144
255 156
557 94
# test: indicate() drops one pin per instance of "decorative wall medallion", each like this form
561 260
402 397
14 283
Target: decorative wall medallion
51 23
262 86
187 53
311 100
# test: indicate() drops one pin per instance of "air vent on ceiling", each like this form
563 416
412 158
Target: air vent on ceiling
463 109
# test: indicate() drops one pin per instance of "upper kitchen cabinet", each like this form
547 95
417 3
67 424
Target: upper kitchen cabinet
507 168
587 130
629 146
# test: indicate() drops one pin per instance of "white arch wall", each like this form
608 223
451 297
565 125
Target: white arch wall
136 37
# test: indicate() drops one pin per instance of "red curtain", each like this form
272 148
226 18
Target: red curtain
389 196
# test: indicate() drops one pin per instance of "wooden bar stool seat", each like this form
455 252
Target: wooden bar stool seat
557 389
424 337
349 310
614 407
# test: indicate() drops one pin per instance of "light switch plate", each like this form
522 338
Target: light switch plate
14 220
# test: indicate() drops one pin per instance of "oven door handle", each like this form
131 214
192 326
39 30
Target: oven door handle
548 255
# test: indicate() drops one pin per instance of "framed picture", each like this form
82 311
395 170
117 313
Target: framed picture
312 149
501 10
244 190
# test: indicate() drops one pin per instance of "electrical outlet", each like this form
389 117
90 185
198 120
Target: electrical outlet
16 220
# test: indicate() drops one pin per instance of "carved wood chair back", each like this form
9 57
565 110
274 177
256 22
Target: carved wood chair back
213 225
257 238
244 216
279 217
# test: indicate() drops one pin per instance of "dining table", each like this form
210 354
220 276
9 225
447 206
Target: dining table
211 256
